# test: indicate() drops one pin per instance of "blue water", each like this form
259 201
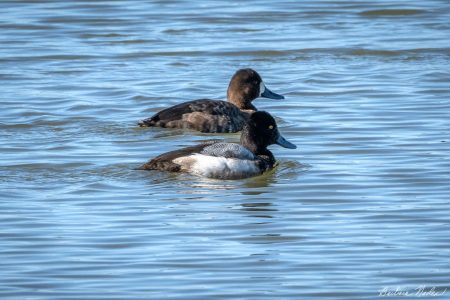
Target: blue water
358 210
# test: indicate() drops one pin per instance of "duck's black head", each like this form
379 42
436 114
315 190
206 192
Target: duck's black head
245 86
261 131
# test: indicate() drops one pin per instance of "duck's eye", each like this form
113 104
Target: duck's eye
270 127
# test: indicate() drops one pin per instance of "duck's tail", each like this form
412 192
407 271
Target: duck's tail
149 122
160 165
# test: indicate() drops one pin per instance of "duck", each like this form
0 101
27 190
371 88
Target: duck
222 160
216 116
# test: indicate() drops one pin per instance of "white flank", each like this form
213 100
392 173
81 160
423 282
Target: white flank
218 167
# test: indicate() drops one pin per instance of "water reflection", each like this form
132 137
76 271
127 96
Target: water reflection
258 185
283 171
258 209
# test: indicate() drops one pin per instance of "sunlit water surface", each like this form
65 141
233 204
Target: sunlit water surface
360 206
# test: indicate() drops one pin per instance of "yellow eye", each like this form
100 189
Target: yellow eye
270 126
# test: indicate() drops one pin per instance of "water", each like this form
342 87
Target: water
361 206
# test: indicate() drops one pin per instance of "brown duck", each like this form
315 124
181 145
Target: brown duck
216 116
